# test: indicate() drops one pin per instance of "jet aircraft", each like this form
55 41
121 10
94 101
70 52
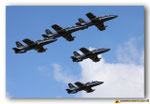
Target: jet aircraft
88 54
97 21
80 86
37 45
81 25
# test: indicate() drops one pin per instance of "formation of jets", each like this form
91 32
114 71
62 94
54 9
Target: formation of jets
66 33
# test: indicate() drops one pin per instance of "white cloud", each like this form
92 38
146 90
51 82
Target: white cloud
124 79
120 80
61 75
128 53
44 70
142 58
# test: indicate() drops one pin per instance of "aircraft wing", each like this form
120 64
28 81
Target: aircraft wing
90 16
68 37
79 84
95 58
100 26
40 49
56 27
28 41
84 50
89 90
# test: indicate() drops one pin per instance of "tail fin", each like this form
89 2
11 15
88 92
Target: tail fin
81 20
19 44
76 53
48 31
71 85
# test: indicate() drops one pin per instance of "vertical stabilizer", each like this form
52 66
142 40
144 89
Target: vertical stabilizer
19 44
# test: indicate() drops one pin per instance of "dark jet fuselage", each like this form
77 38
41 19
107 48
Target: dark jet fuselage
37 44
86 87
90 54
98 21
101 19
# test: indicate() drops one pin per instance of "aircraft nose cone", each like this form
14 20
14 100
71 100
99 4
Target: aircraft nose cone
100 82
107 50
113 16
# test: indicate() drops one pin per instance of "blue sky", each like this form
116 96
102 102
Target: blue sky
32 74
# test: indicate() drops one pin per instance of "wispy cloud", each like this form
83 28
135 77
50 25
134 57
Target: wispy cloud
122 79
129 54
61 75
44 70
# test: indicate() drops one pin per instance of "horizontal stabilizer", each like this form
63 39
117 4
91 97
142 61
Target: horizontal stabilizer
74 59
16 50
45 36
78 24
69 91
19 50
